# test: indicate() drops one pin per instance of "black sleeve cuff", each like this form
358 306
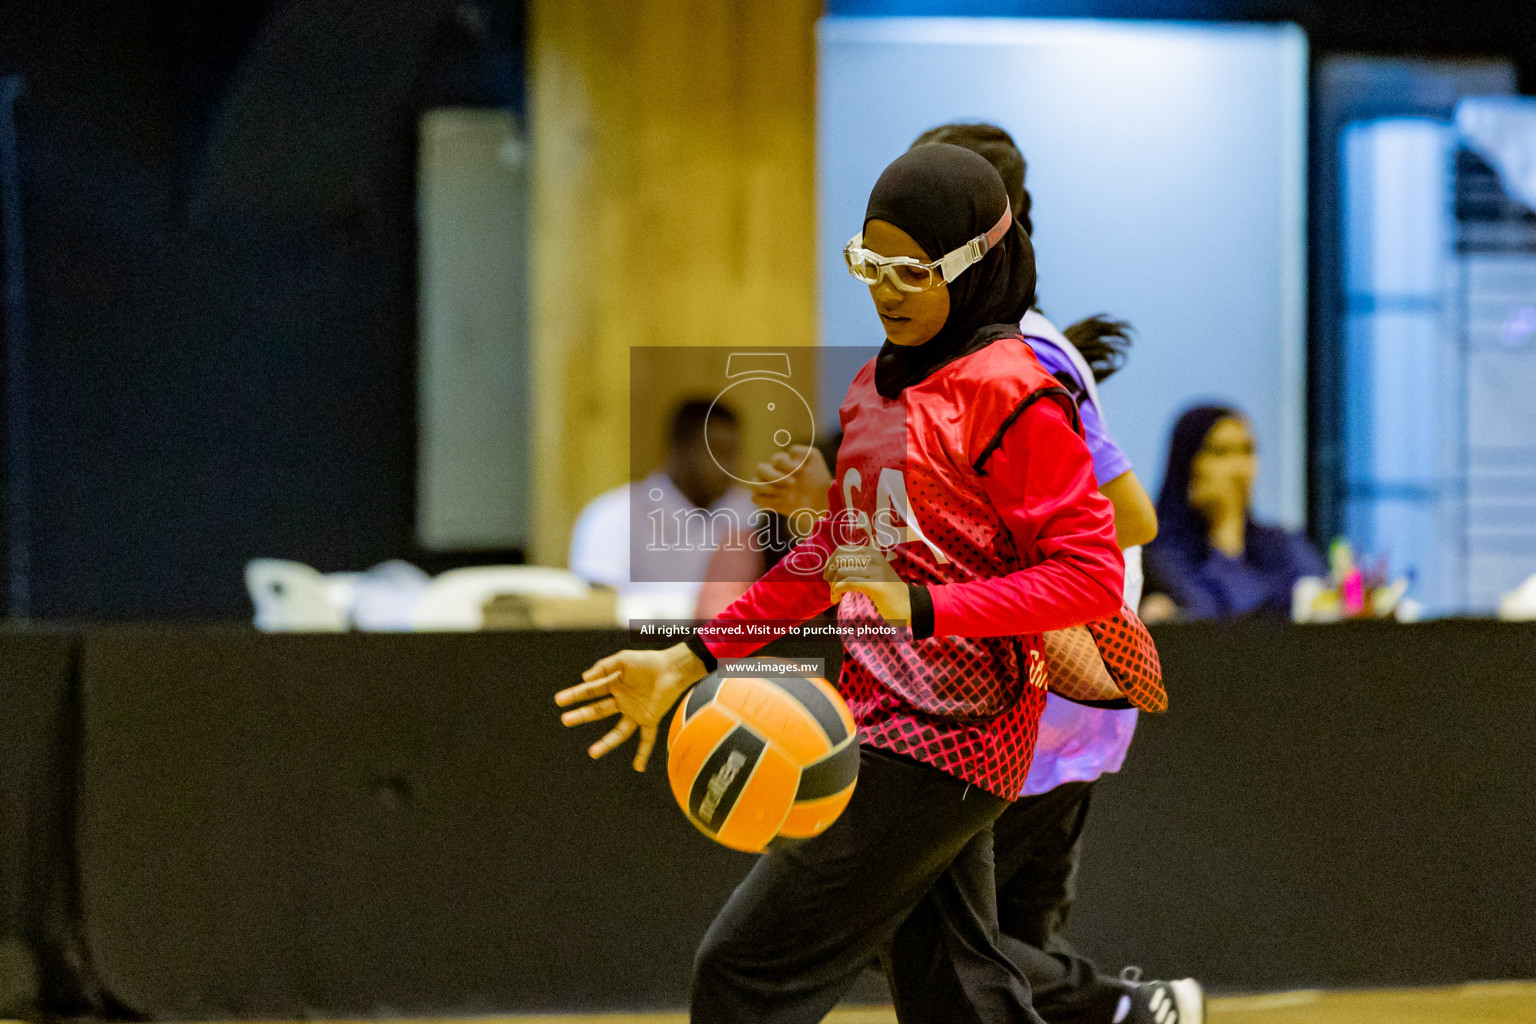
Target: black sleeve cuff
1118 704
921 603
696 645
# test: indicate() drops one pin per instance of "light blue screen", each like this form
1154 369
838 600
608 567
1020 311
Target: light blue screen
1167 168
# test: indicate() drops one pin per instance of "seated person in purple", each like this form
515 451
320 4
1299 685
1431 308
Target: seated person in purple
1210 559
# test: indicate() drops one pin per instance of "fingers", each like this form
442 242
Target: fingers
775 496
647 742
598 687
607 666
817 462
776 469
783 465
618 734
590 713
874 592
784 488
850 561
865 587
860 562
837 564
850 576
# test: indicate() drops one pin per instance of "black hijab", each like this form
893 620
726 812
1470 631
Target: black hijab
1182 528
944 196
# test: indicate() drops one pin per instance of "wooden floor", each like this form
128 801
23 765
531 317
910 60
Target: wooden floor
1490 1003
1503 1002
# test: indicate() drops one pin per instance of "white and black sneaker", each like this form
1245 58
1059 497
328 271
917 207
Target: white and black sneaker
1160 1002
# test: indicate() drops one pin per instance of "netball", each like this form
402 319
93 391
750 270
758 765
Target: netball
756 758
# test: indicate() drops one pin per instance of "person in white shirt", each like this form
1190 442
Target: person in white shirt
651 540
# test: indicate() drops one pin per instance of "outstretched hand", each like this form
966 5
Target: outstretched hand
638 686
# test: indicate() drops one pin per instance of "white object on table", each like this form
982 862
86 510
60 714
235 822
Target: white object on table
1519 605
293 597
455 600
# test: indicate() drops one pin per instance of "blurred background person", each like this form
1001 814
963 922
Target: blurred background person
790 490
1211 560
652 540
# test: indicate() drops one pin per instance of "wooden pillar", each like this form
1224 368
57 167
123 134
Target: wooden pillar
673 204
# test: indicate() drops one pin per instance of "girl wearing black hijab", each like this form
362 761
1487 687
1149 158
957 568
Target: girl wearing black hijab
1212 559
965 507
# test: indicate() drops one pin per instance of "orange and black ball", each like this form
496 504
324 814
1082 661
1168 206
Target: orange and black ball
754 758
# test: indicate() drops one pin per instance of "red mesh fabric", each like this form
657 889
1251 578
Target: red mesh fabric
994 753
1106 660
949 676
1131 658
1075 669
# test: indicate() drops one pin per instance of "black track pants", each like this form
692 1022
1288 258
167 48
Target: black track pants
1036 843
905 873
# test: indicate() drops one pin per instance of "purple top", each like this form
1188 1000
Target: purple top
1219 586
1077 743
1108 460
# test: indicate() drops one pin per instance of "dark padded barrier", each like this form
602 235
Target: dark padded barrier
326 825
38 955
286 825
1325 806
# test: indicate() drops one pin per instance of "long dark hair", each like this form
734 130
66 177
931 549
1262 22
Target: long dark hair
1103 341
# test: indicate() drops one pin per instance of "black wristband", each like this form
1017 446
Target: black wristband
696 645
1117 704
921 603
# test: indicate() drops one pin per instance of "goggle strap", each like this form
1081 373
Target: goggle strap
955 263
1001 227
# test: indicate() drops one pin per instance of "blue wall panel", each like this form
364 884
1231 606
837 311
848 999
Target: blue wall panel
1166 162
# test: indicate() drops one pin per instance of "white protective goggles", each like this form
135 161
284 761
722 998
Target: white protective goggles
911 275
